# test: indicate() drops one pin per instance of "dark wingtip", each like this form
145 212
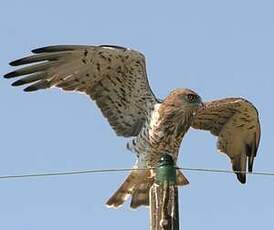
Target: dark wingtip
250 163
30 88
39 50
57 48
241 177
10 74
16 62
18 83
251 151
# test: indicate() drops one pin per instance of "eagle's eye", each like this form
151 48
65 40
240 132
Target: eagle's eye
192 97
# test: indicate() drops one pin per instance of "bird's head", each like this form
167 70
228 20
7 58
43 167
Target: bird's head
185 100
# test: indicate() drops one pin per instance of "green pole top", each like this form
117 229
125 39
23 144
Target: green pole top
166 159
166 171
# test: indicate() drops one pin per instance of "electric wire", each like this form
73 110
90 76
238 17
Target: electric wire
94 171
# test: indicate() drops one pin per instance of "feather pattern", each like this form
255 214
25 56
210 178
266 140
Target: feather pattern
235 121
113 76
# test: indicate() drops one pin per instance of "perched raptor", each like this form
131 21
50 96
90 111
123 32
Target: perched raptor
115 78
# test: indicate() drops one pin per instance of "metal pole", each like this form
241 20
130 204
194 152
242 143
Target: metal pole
164 206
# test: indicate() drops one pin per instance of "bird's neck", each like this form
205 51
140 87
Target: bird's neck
175 121
168 126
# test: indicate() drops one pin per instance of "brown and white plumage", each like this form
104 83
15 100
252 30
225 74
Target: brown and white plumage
236 124
115 78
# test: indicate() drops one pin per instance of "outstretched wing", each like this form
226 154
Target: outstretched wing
113 76
236 123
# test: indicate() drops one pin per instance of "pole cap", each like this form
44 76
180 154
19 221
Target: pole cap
166 160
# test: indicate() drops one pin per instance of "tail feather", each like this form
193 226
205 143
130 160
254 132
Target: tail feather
181 179
123 192
138 184
140 195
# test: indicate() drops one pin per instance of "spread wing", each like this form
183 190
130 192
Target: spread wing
235 122
113 76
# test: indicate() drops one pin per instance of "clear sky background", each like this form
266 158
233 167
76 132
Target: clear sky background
218 48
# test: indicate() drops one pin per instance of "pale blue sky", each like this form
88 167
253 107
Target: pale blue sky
218 48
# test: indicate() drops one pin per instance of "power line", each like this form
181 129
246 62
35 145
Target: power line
66 173
262 173
93 171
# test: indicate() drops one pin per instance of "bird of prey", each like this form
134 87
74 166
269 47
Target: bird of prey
116 79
